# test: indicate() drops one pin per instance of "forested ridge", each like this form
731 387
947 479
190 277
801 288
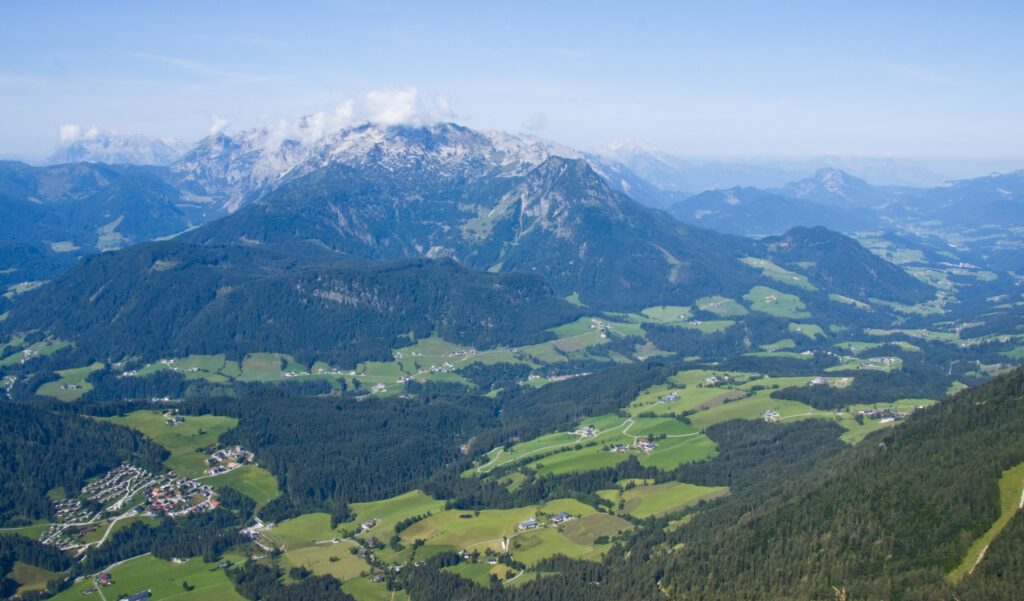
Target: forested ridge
169 299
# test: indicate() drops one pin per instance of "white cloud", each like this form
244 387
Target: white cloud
218 125
384 107
71 133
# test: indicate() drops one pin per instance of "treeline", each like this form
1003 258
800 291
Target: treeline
563 579
1001 574
260 582
42 450
18 548
916 380
746 335
206 534
110 386
324 449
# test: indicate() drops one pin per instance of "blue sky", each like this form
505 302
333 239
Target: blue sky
698 79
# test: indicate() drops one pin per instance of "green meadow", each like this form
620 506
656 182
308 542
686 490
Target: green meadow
182 439
164 579
773 302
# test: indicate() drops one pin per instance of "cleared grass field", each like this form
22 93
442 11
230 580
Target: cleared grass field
672 452
251 480
668 313
773 302
582 460
302 531
1011 494
391 511
41 349
659 499
779 345
262 367
860 347
182 439
525 449
30 578
586 529
779 274
807 329
886 364
363 589
532 546
480 572
70 377
670 426
448 529
164 579
721 306
856 432
709 327
752 408
318 559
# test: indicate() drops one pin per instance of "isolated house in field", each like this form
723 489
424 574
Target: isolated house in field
528 524
561 517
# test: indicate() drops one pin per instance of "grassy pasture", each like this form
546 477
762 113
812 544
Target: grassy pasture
182 439
41 349
317 558
812 331
70 377
667 313
672 452
659 499
391 511
773 302
532 546
364 589
584 530
448 529
30 578
721 306
251 480
779 274
164 579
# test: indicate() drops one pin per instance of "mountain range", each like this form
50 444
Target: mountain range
117 149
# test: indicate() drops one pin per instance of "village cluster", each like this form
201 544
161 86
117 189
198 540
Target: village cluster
224 460
168 494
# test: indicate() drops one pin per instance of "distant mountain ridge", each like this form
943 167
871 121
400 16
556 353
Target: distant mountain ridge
237 169
120 149
559 219
691 176
755 212
64 211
